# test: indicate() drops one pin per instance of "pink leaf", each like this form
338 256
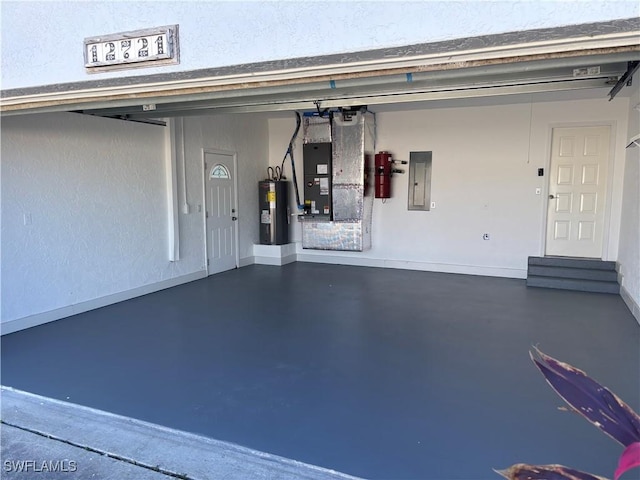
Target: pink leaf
629 459
523 471
587 397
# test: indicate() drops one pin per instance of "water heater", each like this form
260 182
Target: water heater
274 207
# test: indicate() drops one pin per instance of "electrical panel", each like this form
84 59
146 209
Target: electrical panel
419 181
274 212
317 179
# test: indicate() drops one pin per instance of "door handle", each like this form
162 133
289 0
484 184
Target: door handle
234 218
552 197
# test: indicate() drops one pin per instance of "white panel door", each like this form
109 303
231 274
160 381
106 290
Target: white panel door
221 212
577 191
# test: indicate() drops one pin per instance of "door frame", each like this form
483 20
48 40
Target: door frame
234 155
606 226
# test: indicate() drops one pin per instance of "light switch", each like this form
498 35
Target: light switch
538 191
27 219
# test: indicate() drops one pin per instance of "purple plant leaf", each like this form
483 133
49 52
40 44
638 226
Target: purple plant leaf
629 459
522 471
590 399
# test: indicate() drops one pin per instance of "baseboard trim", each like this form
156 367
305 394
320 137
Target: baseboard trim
18 324
23 323
504 272
246 261
339 260
631 303
277 255
277 261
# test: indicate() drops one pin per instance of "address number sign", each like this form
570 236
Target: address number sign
141 48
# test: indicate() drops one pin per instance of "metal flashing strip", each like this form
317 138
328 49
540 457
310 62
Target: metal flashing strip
399 97
159 92
619 38
432 82
188 105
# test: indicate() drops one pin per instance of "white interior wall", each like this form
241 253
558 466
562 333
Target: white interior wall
244 135
80 183
221 33
629 255
95 191
484 177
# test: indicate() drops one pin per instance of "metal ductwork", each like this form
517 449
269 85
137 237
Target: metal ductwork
353 146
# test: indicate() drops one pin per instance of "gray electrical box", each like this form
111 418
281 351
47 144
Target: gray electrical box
317 179
419 181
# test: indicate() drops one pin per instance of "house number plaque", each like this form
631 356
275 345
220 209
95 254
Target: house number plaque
140 48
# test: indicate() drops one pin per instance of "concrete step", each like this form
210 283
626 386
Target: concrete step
573 284
577 273
568 262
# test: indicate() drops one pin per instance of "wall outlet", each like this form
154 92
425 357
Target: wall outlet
485 236
185 209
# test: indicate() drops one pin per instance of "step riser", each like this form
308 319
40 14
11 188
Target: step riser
572 263
571 284
578 274
575 273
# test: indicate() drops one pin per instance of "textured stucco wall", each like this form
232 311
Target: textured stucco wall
95 193
629 258
485 161
42 41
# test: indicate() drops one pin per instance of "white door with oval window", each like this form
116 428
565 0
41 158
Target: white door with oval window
220 212
577 191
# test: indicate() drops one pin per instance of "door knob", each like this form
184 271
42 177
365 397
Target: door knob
552 197
234 218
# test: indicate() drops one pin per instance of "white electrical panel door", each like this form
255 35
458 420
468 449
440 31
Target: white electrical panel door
419 181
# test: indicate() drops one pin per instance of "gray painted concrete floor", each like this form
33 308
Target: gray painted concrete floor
47 438
378 373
